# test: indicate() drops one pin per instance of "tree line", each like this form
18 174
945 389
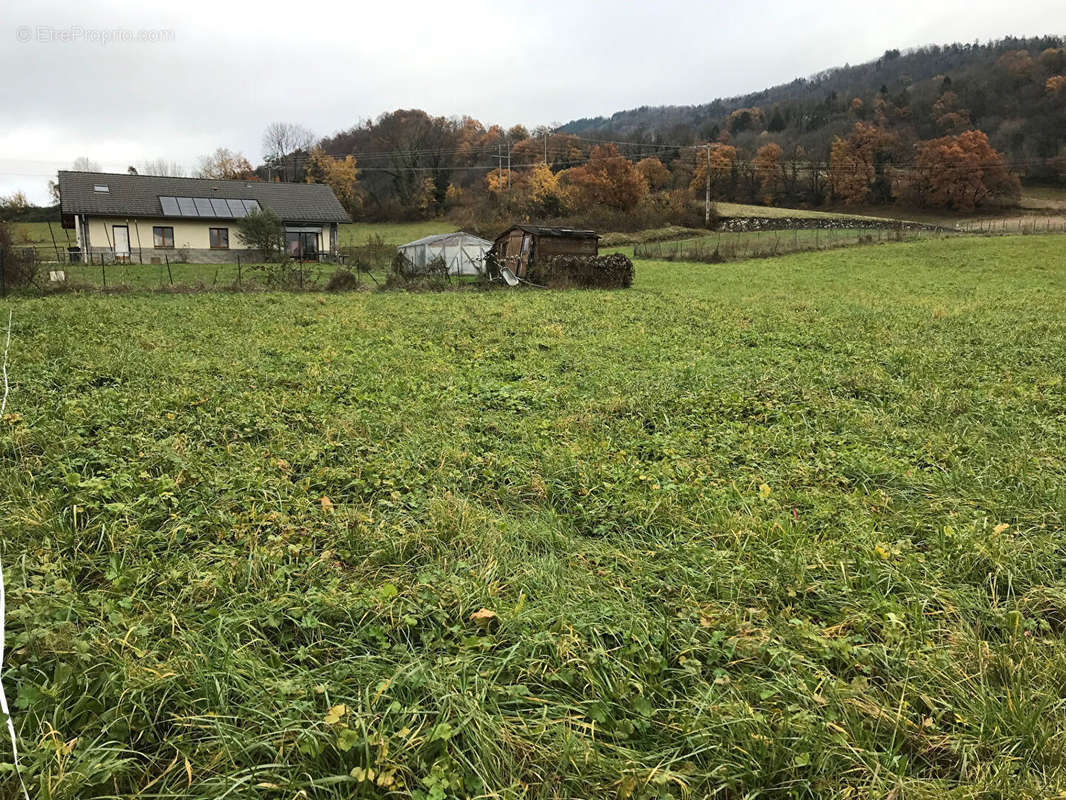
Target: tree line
948 127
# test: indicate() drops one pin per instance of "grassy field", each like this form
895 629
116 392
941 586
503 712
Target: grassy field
1044 198
759 244
37 233
788 528
357 233
774 212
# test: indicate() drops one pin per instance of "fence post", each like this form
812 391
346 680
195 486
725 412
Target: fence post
103 270
238 270
170 275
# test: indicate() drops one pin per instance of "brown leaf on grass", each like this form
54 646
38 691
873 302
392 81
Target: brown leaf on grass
327 504
483 617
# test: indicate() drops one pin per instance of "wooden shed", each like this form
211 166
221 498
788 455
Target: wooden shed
521 245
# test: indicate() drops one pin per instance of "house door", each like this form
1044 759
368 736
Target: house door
302 244
121 239
527 249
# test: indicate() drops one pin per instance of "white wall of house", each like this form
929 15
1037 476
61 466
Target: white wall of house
188 234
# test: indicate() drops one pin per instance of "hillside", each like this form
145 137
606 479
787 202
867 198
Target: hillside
1000 87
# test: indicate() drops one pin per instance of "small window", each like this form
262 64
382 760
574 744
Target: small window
219 238
163 235
101 187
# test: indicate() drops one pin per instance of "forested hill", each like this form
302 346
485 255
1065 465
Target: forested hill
999 87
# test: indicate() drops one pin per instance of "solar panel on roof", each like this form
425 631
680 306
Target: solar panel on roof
251 205
170 206
219 206
236 208
187 207
203 207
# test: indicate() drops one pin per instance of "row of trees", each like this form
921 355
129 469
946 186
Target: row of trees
890 131
413 165
954 139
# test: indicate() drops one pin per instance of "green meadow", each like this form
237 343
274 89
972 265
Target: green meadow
785 528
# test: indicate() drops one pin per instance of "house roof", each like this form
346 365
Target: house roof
544 230
138 196
442 238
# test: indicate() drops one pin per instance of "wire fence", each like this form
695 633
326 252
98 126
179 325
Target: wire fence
23 272
1015 226
735 246
729 246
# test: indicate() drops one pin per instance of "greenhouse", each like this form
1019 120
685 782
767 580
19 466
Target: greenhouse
462 253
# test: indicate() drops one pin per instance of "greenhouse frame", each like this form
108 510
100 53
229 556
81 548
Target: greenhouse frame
463 253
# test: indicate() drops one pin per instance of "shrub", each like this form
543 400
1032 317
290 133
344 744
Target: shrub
289 275
263 231
19 264
343 280
585 272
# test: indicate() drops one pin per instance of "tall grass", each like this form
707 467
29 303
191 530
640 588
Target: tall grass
782 529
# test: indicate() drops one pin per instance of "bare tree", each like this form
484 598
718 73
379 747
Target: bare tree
283 138
85 164
162 167
282 142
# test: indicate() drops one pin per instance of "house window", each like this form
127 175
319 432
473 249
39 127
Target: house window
302 244
101 187
219 238
163 235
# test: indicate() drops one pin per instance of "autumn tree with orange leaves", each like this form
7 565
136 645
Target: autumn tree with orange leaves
949 114
768 172
226 165
720 161
340 174
654 172
960 172
608 179
857 165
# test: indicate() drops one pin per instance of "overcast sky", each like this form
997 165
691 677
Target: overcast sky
215 74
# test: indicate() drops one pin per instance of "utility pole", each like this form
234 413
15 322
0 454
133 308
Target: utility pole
707 193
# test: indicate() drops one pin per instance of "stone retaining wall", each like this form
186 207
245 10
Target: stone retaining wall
745 224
